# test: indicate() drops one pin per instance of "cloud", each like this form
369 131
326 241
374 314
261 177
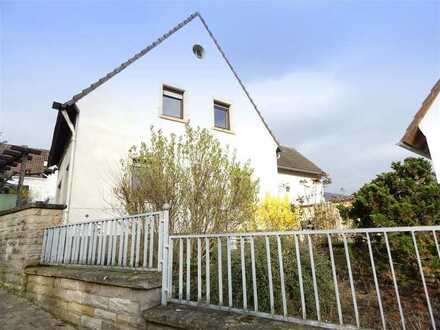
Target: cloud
348 127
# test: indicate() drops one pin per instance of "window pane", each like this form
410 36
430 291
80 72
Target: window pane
221 117
172 106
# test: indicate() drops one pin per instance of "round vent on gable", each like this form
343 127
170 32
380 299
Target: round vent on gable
198 51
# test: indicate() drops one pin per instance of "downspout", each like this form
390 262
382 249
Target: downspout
62 108
71 162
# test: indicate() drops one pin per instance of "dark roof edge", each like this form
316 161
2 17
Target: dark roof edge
322 173
237 77
124 65
409 147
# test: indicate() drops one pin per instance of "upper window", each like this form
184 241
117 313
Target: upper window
172 102
221 115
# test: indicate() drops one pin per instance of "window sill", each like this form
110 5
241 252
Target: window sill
179 120
223 130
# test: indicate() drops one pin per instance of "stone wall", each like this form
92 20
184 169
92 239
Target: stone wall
94 298
21 236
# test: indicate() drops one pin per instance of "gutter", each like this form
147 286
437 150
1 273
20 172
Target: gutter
300 170
63 109
412 149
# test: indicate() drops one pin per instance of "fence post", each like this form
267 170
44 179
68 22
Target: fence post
165 251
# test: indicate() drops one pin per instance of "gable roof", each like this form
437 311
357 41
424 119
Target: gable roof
292 161
158 41
413 139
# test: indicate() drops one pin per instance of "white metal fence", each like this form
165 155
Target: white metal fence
134 241
311 277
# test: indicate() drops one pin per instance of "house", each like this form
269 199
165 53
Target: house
40 183
423 134
182 76
299 178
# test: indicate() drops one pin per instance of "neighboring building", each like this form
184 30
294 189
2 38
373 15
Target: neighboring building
299 178
423 134
182 76
41 185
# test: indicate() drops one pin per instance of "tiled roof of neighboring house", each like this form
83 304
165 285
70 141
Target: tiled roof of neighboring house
35 166
414 139
55 158
332 197
291 160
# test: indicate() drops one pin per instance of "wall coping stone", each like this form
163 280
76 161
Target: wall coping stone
36 205
200 318
133 279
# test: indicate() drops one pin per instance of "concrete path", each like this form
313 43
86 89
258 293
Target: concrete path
17 313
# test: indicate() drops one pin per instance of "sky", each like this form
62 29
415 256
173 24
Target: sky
338 80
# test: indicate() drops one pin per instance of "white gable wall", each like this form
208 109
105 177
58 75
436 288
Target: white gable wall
296 186
119 114
430 127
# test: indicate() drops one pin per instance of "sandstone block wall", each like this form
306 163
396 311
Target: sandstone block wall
92 305
21 237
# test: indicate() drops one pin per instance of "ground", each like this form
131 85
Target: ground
17 313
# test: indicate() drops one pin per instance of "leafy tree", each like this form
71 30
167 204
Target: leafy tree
207 188
408 195
275 213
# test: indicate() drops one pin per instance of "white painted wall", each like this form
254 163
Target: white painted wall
430 126
40 189
119 114
295 186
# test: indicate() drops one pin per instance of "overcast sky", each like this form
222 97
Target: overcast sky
338 80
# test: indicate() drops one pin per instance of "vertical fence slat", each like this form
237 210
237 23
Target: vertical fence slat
208 272
104 243
114 241
121 241
170 268
376 284
315 284
422 275
138 241
243 273
396 288
152 224
254 275
180 269
132 245
269 275
335 279
199 270
220 271
300 279
436 243
146 231
126 233
228 255
188 269
100 238
283 288
159 243
94 240
350 275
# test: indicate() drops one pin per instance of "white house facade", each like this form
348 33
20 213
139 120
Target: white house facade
299 179
423 134
182 77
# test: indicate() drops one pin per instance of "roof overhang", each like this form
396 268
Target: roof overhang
62 133
414 139
300 172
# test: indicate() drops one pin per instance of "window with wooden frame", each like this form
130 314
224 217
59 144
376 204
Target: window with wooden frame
172 104
222 115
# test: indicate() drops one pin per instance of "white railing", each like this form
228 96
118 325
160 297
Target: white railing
134 241
311 277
